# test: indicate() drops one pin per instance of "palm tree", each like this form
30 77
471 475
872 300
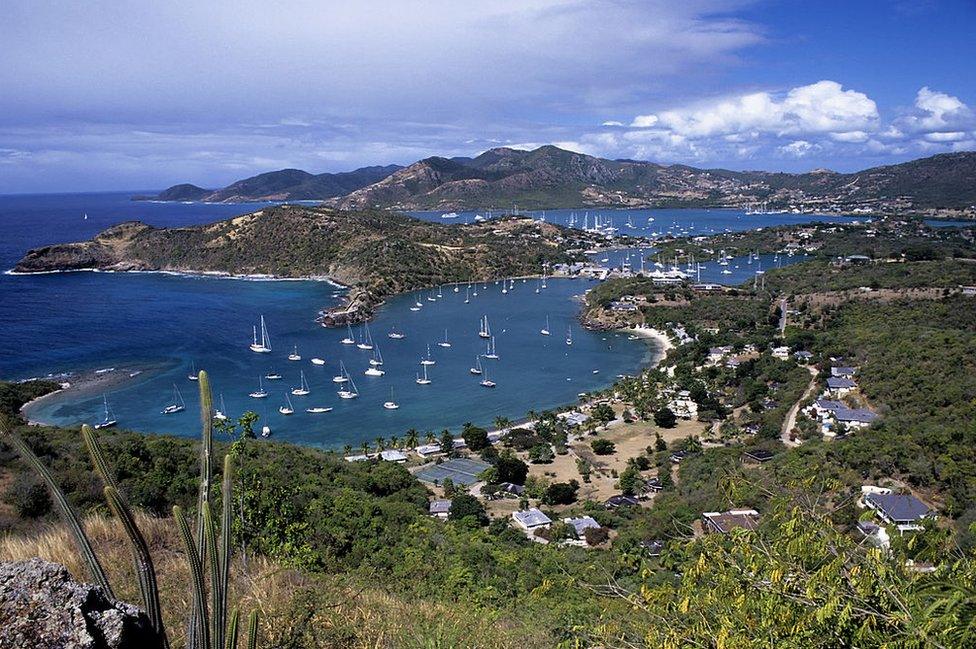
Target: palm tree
380 444
365 448
502 422
394 442
347 449
412 438
431 437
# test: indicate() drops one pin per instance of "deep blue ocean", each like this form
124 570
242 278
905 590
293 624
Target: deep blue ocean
164 325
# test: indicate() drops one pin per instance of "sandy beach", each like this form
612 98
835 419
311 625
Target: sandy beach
653 334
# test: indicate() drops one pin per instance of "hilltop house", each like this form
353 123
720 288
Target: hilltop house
716 354
531 519
581 524
440 509
904 511
845 372
855 418
839 386
782 353
724 522
392 455
803 356
620 500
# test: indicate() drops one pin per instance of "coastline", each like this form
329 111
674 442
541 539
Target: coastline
84 384
657 335
193 274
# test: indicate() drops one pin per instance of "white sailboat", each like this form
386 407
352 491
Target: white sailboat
294 355
286 409
366 342
260 393
395 334
108 420
317 410
266 431
467 294
485 330
348 340
445 342
264 346
545 330
178 404
341 376
428 360
477 369
490 352
569 336
302 388
375 363
273 376
486 382
349 390
424 380
220 413
391 404
193 376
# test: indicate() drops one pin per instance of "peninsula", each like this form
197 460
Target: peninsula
375 253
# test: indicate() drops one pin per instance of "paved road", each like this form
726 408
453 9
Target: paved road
790 420
782 316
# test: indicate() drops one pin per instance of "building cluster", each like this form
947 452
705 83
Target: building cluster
832 414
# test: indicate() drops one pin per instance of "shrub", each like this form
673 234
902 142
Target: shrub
603 446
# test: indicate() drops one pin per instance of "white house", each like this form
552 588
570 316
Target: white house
531 519
440 509
782 353
392 455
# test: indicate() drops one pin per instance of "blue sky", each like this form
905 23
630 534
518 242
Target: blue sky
128 95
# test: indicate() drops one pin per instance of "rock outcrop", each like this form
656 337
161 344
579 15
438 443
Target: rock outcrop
42 607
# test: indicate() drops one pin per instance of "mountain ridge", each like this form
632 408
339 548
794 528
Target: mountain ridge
550 177
283 184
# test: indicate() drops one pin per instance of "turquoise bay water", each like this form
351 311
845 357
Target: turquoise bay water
83 321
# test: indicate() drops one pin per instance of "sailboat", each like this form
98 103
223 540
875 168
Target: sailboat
264 346
302 389
341 377
486 382
260 393
504 288
444 343
391 404
348 340
490 352
318 361
545 330
431 298
294 356
395 334
273 376
220 413
367 340
477 366
485 330
193 376
428 360
349 390
318 409
569 336
178 404
456 288
286 409
109 419
374 364
266 431
425 380
467 294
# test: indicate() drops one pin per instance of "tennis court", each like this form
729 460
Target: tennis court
463 471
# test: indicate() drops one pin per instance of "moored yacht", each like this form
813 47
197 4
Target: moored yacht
264 346
348 340
391 404
477 366
445 342
287 408
260 393
108 419
302 388
294 356
178 404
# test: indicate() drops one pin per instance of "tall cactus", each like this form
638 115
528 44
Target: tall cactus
145 570
252 630
199 635
64 508
223 554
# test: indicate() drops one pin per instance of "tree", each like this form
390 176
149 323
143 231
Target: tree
448 486
561 493
602 446
380 444
603 413
665 418
511 469
502 422
630 480
466 506
475 437
595 535
659 443
447 441
412 438
430 437
541 454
